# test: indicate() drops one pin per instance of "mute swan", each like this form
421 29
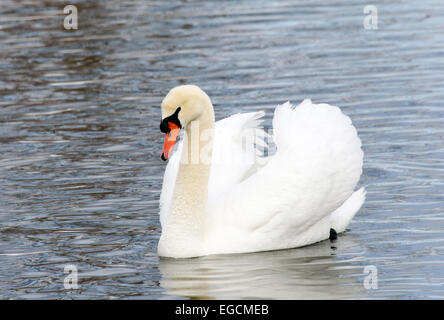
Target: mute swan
296 197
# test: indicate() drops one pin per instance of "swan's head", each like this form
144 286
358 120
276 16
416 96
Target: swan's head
182 105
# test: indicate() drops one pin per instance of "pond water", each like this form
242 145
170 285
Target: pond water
80 167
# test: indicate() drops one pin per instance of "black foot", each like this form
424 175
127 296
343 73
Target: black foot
333 234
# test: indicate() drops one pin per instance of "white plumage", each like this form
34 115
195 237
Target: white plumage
286 200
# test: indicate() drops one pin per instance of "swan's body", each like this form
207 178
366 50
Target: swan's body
290 199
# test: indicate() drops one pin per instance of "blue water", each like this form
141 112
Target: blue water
80 168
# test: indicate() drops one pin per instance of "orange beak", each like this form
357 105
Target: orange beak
170 140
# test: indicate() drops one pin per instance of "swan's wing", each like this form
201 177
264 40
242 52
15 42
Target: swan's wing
238 143
314 171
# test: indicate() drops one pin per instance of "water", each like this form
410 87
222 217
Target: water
80 168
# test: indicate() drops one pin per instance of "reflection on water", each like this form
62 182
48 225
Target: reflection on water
80 168
307 273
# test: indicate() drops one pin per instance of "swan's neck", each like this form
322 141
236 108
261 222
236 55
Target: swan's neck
183 232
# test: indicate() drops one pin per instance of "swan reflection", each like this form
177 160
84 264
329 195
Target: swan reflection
313 272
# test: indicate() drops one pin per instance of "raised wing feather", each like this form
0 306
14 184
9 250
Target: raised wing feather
314 171
234 157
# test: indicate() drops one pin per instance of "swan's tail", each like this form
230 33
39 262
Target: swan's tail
341 217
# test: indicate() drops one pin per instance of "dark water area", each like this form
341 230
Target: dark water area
80 167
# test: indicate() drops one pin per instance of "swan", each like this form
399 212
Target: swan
300 195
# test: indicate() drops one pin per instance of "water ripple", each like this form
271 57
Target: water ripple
79 141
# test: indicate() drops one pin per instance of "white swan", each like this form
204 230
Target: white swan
290 199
